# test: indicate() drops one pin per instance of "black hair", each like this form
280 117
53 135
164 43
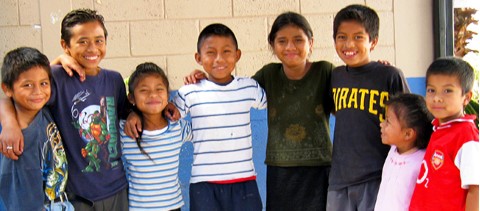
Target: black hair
412 112
453 66
289 19
215 29
141 71
80 16
20 60
364 15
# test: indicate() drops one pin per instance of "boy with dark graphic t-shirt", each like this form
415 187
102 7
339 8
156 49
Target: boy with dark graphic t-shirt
87 115
360 89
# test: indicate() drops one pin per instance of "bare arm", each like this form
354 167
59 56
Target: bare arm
133 125
472 198
194 77
171 112
385 62
11 138
70 65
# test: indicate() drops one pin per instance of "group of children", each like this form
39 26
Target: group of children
111 169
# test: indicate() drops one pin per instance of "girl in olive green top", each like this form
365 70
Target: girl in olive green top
299 150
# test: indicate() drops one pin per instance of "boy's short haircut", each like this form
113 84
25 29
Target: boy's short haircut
453 66
289 19
79 16
215 29
21 60
364 15
411 109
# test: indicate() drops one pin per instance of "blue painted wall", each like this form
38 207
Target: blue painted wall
417 85
259 130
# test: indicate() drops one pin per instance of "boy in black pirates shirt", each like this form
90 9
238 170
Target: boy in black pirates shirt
360 90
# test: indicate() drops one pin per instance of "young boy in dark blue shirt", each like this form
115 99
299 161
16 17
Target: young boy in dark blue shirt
40 175
87 114
360 89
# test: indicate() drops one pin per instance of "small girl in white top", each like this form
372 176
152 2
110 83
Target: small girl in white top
152 160
407 128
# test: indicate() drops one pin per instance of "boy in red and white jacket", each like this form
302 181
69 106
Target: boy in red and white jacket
450 172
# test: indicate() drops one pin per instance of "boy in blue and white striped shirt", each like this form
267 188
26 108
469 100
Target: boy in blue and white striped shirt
223 173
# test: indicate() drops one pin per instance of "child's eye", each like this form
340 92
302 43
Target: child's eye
429 90
282 41
446 91
386 120
82 42
28 85
341 37
44 84
100 41
358 37
299 40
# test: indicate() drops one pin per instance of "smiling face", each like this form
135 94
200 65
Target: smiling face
31 91
150 95
353 44
218 56
445 98
391 129
292 46
87 45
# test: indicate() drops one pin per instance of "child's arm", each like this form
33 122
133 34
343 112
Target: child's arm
171 112
467 161
69 64
472 198
11 138
194 77
261 98
133 125
384 62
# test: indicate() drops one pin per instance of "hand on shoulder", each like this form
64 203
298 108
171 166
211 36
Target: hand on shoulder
194 77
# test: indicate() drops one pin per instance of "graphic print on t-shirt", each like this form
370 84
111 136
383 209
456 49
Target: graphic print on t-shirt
54 163
370 100
96 125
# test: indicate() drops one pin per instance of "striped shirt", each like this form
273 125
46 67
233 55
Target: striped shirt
222 137
153 184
